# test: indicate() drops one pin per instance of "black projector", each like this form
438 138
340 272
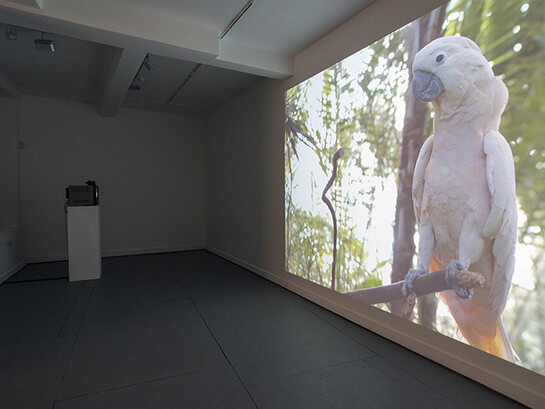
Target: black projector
82 195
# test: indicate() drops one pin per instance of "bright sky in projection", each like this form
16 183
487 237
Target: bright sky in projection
311 179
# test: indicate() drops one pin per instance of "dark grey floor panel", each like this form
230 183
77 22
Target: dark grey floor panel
193 330
457 388
214 389
121 349
266 336
31 372
41 315
201 271
135 282
370 383
115 267
74 320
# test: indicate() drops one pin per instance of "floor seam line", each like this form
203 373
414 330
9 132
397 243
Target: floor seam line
223 352
414 377
343 332
307 372
171 268
74 342
139 383
70 309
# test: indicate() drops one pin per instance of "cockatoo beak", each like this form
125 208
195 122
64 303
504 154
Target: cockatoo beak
426 86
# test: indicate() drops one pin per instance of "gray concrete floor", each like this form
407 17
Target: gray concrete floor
192 330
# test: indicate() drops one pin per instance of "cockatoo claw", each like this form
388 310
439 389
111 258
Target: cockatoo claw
453 271
408 291
412 275
464 293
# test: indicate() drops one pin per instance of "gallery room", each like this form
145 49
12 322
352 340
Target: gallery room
272 204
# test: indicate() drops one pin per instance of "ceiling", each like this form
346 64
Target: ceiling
193 64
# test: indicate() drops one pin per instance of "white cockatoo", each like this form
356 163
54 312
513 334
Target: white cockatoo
464 187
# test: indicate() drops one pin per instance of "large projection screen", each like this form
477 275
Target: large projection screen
353 137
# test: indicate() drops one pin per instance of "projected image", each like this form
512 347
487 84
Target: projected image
415 176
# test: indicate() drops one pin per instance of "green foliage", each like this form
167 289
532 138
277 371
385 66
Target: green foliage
296 119
310 245
382 81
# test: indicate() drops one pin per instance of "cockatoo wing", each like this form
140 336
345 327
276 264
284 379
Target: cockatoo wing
418 177
501 225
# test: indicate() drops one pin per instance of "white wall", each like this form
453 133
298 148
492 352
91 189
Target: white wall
9 164
245 200
244 177
149 168
11 257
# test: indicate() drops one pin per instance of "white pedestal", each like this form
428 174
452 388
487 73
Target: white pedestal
84 260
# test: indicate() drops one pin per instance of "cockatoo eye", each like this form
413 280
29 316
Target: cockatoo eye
440 58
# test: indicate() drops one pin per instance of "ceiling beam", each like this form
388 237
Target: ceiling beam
29 3
7 89
154 33
124 66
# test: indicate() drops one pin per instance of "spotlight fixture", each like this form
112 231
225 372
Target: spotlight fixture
44 45
11 33
136 84
148 63
138 81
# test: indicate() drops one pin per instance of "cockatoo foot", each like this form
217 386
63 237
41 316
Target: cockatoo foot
412 275
408 291
452 273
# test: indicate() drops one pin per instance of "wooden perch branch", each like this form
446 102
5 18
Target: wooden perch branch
430 283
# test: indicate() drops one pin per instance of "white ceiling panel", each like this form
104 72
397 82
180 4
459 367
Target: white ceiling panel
288 26
212 13
173 109
211 87
76 70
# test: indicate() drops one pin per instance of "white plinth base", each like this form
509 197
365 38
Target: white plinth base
84 260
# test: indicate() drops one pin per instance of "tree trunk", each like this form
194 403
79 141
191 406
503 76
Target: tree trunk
425 29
